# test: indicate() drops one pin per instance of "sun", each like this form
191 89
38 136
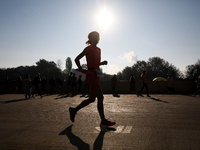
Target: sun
104 18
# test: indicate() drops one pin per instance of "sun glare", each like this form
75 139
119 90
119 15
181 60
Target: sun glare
104 19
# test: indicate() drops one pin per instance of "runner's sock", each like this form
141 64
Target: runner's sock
103 118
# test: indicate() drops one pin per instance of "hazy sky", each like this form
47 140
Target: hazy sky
139 29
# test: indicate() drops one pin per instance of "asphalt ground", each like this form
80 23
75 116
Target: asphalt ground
162 122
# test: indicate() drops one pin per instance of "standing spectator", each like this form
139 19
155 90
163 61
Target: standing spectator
86 89
113 83
19 84
79 83
52 84
69 81
74 80
170 84
27 83
132 83
36 83
7 80
43 84
198 87
60 83
194 83
144 84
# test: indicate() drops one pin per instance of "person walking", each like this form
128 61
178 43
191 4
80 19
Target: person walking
36 83
170 84
93 57
113 83
27 83
132 83
144 84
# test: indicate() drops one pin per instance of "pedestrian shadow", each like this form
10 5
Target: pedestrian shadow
116 95
15 100
80 144
61 96
84 95
158 100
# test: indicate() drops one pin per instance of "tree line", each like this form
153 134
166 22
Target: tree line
155 67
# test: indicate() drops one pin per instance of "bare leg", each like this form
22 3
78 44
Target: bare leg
100 107
86 102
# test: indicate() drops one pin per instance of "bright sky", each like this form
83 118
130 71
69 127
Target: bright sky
130 30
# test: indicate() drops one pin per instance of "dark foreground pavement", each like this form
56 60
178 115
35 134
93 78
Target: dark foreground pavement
162 122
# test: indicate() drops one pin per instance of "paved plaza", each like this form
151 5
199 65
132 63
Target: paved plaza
162 122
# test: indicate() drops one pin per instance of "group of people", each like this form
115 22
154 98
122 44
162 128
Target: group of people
73 81
196 84
38 83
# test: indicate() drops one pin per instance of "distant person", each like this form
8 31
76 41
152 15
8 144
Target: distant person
194 83
132 83
19 84
60 83
198 87
27 83
36 84
52 83
79 83
43 84
86 89
74 80
113 83
170 84
93 57
7 81
144 84
69 82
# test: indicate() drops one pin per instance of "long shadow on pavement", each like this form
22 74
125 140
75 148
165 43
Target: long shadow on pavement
158 100
78 142
15 100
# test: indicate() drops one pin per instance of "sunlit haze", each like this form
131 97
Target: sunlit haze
105 19
130 30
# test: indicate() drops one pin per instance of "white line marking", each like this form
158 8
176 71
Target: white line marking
127 129
98 128
119 129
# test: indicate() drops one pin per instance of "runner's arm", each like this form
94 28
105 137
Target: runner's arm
77 61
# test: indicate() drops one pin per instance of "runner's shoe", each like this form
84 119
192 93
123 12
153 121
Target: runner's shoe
107 123
72 113
138 95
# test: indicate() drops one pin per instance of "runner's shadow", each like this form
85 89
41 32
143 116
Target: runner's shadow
75 140
78 142
15 100
116 95
158 100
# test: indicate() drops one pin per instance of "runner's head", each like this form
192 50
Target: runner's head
93 37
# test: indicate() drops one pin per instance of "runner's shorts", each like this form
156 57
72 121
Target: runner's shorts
93 81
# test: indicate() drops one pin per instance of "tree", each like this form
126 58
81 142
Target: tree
59 64
155 67
193 69
68 66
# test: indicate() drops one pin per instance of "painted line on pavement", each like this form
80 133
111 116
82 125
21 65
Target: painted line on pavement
119 129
